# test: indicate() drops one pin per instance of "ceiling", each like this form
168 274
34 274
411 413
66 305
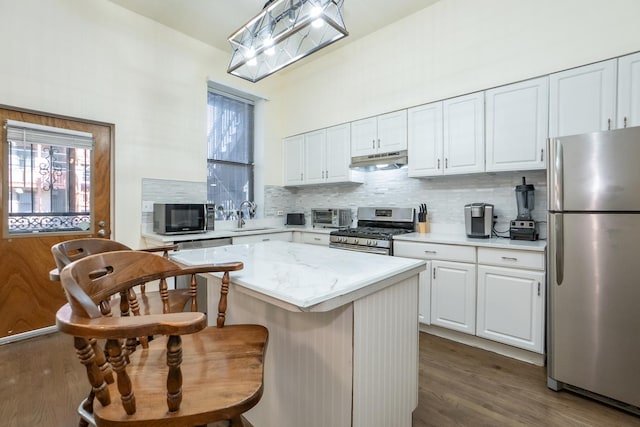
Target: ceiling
212 21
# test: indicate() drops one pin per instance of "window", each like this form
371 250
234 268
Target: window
49 178
230 142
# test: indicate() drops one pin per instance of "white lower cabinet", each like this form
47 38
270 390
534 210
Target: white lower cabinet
511 306
453 296
493 293
424 295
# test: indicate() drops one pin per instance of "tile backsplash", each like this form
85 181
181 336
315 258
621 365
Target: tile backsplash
169 191
445 196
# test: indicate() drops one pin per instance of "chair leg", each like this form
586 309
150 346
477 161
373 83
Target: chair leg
236 422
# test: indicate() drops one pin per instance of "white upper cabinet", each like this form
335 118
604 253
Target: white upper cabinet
517 125
319 157
380 134
629 90
424 133
315 156
583 99
293 152
464 134
338 154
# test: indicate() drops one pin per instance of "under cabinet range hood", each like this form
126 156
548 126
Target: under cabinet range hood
380 161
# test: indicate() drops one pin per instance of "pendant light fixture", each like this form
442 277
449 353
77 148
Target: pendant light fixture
284 32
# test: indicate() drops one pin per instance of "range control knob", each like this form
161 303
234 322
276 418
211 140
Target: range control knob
355 241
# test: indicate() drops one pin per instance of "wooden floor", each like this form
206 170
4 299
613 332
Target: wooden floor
467 386
42 383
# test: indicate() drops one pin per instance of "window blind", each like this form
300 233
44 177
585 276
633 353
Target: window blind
31 133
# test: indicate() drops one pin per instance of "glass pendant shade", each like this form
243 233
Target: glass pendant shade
284 32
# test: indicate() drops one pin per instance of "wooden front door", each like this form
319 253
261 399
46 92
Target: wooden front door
29 227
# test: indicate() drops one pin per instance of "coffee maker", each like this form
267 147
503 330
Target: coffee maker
478 219
524 227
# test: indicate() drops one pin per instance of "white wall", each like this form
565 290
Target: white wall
96 60
452 48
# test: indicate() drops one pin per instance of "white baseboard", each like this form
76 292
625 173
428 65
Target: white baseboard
27 335
496 347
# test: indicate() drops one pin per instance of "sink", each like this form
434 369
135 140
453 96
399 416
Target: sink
239 230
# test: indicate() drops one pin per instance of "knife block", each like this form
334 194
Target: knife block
423 227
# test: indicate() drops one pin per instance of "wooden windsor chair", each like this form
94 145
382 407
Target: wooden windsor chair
197 375
148 302
68 251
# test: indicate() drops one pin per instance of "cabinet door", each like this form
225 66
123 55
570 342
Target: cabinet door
425 140
338 153
464 134
424 295
392 132
293 152
629 91
314 157
517 126
511 306
583 99
364 137
453 296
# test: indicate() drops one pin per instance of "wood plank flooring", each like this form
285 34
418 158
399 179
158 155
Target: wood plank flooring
467 386
42 382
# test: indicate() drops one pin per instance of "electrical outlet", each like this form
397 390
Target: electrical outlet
280 213
147 206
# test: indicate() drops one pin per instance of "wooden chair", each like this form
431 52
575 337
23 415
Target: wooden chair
149 302
197 375
68 251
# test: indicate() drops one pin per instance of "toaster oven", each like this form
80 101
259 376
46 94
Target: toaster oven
331 218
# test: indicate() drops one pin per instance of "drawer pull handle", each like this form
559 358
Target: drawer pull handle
316 239
508 258
430 252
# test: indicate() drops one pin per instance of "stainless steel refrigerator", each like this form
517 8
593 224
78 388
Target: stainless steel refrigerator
593 339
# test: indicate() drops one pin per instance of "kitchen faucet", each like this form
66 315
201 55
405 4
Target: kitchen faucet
252 207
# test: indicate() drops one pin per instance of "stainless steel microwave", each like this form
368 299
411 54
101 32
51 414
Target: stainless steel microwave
182 218
331 218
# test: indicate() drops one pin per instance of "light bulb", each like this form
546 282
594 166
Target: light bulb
317 23
315 11
252 62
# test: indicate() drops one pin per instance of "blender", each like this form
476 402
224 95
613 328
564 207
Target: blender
524 227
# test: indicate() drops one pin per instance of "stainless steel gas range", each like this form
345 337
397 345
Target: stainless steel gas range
375 230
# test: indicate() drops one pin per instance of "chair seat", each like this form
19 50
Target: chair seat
222 368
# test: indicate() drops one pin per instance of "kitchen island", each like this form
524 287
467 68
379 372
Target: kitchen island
343 331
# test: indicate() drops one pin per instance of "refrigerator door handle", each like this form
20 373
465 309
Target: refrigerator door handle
556 182
559 249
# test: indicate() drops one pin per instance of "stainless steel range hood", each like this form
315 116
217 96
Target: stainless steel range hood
381 161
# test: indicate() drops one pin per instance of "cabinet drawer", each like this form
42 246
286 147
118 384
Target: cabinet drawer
435 251
508 258
315 239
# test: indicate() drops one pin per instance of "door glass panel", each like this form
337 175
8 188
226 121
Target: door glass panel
49 185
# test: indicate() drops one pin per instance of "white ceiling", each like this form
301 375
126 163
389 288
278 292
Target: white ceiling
212 21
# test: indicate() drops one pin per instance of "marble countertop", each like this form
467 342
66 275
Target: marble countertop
462 239
301 277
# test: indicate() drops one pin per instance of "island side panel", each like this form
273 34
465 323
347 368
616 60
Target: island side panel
385 383
308 363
